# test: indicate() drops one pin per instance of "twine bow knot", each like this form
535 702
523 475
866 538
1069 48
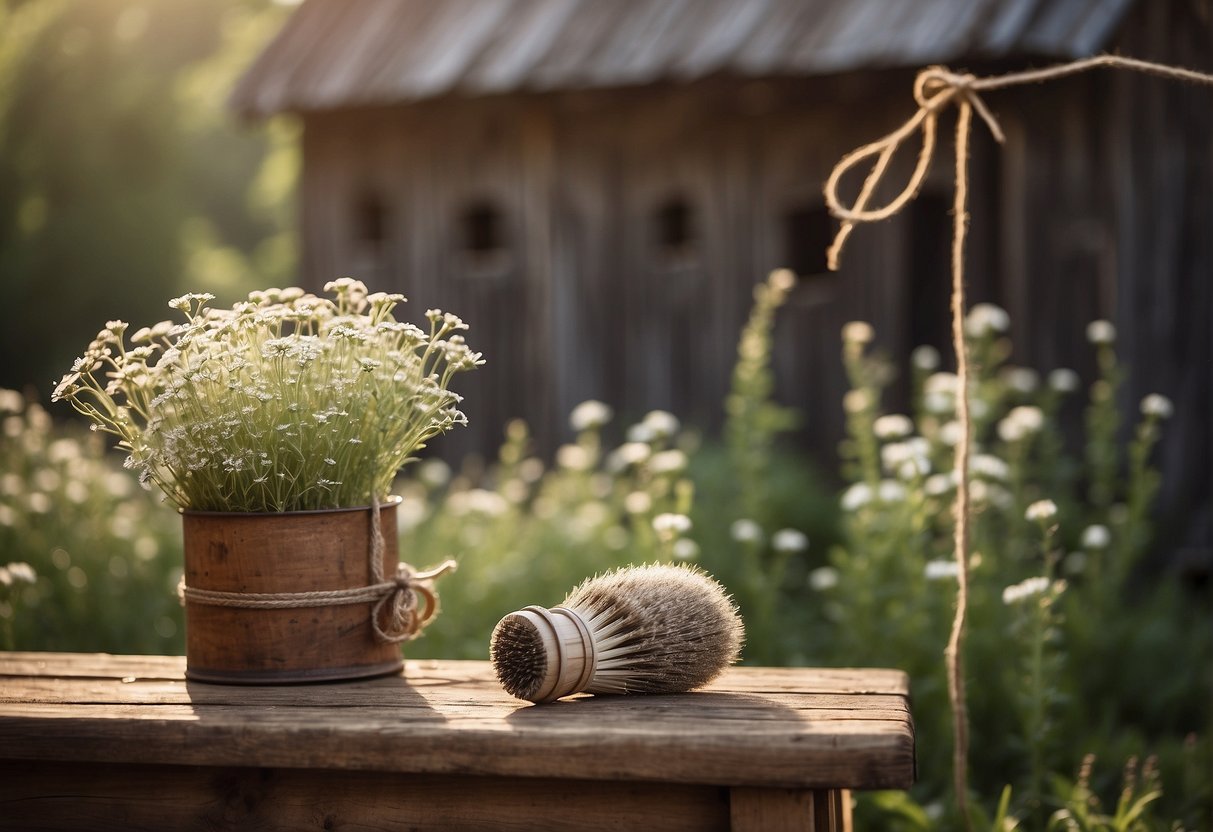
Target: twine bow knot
935 89
403 619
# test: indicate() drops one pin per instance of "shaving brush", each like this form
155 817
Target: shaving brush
640 629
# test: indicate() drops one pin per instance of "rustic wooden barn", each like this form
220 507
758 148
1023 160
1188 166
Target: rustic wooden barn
596 186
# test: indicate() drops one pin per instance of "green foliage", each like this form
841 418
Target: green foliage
1062 659
524 533
106 557
111 197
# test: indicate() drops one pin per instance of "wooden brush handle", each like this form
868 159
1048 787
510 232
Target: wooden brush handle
568 646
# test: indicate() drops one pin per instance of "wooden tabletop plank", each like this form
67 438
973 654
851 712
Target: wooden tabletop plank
794 728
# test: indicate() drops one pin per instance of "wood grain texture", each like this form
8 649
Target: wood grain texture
74 796
773 810
783 728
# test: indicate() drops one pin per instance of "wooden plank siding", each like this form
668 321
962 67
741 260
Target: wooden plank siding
1100 204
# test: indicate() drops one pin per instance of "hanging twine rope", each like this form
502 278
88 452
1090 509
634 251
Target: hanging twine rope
935 89
396 616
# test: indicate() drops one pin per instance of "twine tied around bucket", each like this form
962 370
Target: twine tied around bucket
935 89
396 616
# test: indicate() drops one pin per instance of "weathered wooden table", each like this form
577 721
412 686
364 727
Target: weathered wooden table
124 742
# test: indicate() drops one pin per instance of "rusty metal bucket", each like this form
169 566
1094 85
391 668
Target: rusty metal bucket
301 551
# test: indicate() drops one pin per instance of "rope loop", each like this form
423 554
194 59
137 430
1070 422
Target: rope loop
935 89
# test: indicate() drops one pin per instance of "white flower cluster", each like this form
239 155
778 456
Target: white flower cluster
1041 511
1025 589
286 401
986 319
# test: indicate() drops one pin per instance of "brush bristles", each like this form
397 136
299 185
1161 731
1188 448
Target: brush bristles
657 629
519 657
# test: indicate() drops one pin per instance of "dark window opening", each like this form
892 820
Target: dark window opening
674 224
675 231
929 254
370 220
808 230
481 240
483 231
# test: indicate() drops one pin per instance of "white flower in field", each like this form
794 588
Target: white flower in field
940 569
939 484
530 470
590 415
1021 379
938 403
891 491
572 457
1101 332
1157 405
668 462
662 423
907 459
989 466
685 549
858 332
11 401
745 530
640 433
857 496
21 572
1025 589
1075 563
782 280
950 433
914 468
434 472
946 383
1020 423
823 578
893 426
628 454
1096 537
637 502
986 319
1064 380
515 490
789 540
925 358
477 501
1041 511
856 401
671 525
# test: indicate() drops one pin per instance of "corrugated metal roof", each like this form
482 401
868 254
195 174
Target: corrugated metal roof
337 53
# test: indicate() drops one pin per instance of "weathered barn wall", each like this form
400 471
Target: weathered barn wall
631 228
551 224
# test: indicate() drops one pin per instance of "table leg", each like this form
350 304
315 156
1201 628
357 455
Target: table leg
789 810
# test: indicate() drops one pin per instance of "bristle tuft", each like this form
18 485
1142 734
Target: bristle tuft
658 628
517 653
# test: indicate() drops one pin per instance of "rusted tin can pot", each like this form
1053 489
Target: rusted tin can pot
291 552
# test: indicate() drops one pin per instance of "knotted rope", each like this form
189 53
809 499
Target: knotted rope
395 616
935 89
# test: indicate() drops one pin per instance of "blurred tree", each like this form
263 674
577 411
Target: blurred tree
123 181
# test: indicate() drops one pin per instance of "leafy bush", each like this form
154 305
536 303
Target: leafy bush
1077 661
106 558
1062 659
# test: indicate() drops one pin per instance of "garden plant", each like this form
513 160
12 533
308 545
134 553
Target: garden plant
1089 677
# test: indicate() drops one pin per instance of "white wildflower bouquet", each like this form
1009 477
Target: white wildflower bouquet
285 402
